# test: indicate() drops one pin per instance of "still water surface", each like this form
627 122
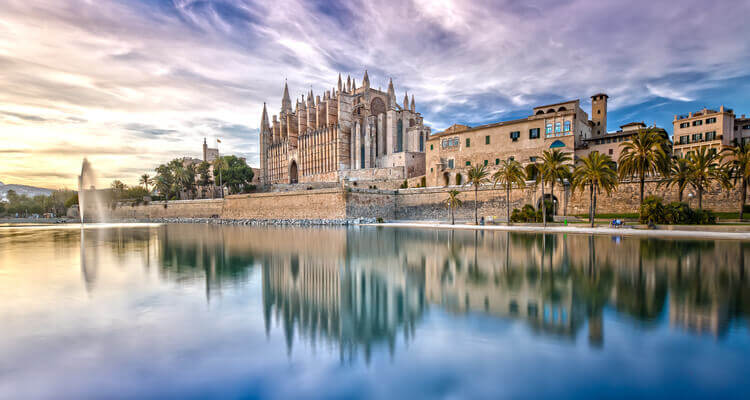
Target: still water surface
202 311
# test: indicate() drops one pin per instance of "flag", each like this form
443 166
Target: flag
218 141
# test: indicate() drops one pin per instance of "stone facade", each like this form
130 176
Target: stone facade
349 129
452 152
708 129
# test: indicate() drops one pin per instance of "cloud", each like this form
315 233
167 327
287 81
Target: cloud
161 75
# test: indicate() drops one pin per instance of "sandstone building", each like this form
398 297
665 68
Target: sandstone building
708 129
564 126
355 133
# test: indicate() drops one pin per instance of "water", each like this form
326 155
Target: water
202 311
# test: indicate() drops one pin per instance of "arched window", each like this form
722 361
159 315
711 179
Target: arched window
540 112
399 136
549 128
556 144
561 109
550 111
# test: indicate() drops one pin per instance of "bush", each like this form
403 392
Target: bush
405 185
423 181
379 220
529 214
746 208
674 213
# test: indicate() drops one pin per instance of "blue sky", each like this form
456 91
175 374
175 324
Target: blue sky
131 84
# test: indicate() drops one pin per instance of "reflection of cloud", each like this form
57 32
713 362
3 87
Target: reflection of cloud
143 72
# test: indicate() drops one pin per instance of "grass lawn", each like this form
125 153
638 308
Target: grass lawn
611 216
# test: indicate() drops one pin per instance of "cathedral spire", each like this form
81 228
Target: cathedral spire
348 83
264 125
286 102
412 103
366 81
340 84
406 101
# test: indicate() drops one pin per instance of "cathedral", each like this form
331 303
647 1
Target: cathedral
353 133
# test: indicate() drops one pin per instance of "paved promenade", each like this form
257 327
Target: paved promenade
672 232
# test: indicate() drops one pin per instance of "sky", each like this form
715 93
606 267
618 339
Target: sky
132 84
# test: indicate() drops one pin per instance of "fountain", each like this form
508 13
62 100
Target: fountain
89 198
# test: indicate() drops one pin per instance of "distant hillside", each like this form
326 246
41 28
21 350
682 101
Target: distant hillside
30 191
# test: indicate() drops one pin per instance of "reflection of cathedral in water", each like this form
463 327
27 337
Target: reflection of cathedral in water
358 288
352 306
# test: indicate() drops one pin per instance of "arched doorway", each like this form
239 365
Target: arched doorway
293 172
553 199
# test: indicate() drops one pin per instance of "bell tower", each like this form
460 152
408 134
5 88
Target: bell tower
599 114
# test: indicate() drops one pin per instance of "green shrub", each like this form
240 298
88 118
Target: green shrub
405 185
746 208
379 220
528 213
423 181
674 213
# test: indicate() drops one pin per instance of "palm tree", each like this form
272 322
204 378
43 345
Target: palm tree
510 172
704 169
644 154
555 167
739 167
535 173
679 175
595 171
476 176
145 181
118 189
163 186
220 164
453 202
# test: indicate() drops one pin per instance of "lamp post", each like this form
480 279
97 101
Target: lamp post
690 197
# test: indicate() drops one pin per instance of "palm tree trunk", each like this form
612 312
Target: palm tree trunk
679 195
507 203
476 206
565 195
453 219
743 197
593 213
700 197
552 196
544 206
591 205
643 179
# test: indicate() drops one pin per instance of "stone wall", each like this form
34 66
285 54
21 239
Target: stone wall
303 204
371 204
404 204
172 209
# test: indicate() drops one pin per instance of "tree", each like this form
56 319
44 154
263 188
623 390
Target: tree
204 173
476 176
595 171
510 172
145 180
738 167
679 175
453 202
555 167
118 188
163 186
164 180
704 169
644 154
535 173
233 172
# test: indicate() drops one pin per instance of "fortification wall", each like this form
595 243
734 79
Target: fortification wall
172 209
303 204
405 204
